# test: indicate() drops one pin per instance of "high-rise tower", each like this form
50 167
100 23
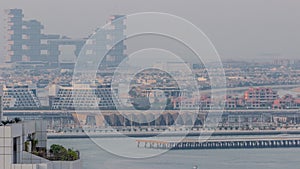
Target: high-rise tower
113 33
27 44
32 35
14 21
23 37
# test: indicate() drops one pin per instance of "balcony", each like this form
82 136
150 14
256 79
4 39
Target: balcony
28 152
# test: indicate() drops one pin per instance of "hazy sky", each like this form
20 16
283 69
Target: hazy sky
238 28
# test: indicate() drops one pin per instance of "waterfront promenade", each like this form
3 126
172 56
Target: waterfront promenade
141 134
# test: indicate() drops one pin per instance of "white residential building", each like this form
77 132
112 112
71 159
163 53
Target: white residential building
14 140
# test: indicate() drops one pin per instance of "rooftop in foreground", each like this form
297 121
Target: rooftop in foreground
21 143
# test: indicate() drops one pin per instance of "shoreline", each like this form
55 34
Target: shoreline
170 134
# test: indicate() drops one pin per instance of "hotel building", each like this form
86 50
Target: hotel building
27 45
20 97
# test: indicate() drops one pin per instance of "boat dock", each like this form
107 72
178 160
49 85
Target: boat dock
224 143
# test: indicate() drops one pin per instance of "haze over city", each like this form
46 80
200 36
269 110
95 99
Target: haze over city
163 85
239 29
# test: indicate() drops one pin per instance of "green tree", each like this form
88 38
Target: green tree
61 153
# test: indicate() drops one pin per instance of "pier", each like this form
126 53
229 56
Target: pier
224 143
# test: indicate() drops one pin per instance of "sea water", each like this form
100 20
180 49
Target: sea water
107 156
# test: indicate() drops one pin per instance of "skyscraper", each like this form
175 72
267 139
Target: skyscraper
105 45
114 33
27 43
14 25
31 40
23 38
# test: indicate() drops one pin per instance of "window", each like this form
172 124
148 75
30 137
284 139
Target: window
44 41
10 32
25 37
110 58
109 47
44 52
25 47
90 41
89 52
10 42
109 37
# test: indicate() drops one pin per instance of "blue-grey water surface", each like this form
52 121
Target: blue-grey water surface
95 158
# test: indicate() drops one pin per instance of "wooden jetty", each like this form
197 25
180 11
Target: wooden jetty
223 143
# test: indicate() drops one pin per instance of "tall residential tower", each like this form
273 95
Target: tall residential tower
26 43
14 25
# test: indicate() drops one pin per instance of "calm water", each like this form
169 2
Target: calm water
95 157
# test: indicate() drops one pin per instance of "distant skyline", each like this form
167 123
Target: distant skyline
238 29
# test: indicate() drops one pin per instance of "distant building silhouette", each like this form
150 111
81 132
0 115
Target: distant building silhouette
27 45
116 53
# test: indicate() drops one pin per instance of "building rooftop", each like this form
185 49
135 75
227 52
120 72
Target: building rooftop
20 144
